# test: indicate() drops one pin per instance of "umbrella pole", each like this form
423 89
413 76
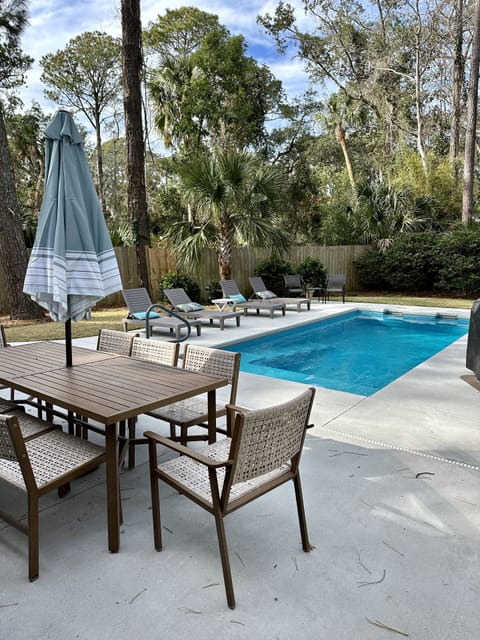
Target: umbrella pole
68 342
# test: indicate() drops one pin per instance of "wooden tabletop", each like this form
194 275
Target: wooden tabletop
38 357
101 386
107 388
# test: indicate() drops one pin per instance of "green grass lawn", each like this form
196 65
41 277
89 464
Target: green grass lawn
49 330
111 318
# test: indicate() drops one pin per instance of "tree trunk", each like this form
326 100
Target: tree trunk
458 76
471 126
101 187
340 135
419 105
132 103
225 249
13 252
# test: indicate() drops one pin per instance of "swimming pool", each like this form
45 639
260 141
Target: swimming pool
359 352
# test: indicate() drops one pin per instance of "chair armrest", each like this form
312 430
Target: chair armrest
185 451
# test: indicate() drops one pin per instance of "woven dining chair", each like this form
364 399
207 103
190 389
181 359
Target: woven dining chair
194 411
3 345
111 341
152 351
36 467
262 451
108 341
29 425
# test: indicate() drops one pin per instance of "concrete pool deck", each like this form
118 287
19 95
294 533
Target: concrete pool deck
392 493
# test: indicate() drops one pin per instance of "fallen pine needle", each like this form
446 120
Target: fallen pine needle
364 583
377 623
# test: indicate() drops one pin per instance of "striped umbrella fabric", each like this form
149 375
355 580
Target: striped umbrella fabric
72 264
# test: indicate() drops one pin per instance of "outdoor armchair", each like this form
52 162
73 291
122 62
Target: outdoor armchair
152 351
46 462
261 292
194 411
262 451
294 284
111 341
336 285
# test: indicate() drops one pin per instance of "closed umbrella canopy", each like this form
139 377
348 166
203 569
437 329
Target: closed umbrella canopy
72 265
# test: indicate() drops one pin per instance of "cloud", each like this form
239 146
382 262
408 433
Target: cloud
53 23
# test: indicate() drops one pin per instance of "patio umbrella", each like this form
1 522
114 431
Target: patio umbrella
72 264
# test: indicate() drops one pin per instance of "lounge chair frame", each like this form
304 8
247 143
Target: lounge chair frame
258 285
138 301
178 296
230 288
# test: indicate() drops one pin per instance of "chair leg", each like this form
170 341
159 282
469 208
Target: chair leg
132 423
157 525
301 514
33 538
184 435
222 544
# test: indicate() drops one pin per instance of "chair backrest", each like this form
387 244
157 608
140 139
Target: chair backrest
293 281
229 288
177 296
214 362
3 339
7 448
137 300
115 342
257 284
13 450
336 281
155 351
266 439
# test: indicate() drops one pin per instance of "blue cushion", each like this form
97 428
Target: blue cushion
143 315
237 297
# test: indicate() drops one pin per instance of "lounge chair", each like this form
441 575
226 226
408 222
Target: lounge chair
336 286
138 301
231 290
261 291
184 306
294 284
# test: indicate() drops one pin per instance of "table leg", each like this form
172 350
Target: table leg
212 416
113 488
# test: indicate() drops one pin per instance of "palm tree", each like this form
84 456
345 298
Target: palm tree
233 198
168 88
341 110
383 211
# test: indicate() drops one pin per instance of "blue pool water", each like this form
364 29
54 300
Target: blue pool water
359 352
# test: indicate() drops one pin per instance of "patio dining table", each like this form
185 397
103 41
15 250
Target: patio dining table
107 388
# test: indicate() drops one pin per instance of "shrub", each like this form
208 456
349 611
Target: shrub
313 272
213 290
371 271
176 279
272 271
412 262
458 271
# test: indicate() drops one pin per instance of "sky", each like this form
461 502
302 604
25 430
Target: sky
52 23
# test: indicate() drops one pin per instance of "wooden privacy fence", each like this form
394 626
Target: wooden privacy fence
338 259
